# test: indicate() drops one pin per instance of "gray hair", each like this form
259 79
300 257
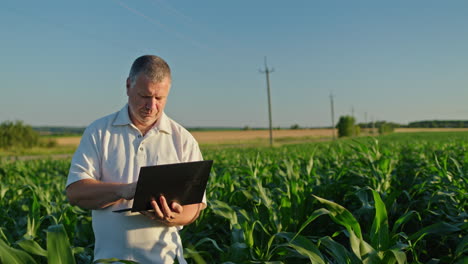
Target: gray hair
153 67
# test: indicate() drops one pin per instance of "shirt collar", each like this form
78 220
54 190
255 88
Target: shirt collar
161 125
122 118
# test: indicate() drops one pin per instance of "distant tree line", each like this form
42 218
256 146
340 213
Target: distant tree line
439 124
46 130
378 124
419 124
347 128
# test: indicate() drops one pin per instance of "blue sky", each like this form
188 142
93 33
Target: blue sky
64 63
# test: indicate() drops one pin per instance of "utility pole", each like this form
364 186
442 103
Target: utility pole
373 125
365 122
332 116
267 73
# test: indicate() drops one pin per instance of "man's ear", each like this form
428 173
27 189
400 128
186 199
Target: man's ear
128 85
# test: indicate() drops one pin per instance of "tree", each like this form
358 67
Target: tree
346 127
385 128
295 126
17 134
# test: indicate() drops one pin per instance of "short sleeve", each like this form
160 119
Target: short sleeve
85 163
192 151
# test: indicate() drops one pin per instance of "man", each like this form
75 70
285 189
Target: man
105 169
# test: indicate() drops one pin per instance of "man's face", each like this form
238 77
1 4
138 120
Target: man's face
146 100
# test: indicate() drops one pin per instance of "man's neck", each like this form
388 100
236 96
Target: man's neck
144 128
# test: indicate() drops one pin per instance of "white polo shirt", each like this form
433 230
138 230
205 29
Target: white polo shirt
112 149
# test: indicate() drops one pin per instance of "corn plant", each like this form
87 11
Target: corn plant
392 199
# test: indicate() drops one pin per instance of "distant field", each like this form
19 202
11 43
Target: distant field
258 136
235 137
226 137
252 136
68 141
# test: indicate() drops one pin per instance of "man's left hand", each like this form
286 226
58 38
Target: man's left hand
165 213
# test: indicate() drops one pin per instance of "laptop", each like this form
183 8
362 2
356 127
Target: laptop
184 183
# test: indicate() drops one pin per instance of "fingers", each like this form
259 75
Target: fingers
165 207
157 214
176 207
163 213
157 211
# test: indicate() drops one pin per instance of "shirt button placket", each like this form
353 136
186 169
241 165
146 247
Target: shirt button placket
140 148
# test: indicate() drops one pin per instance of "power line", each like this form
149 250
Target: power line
267 73
162 26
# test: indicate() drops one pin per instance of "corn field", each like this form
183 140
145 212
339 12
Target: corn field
393 199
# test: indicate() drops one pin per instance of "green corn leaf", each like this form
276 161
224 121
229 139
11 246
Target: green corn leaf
362 249
247 195
342 216
9 255
35 207
337 251
438 228
403 219
223 209
32 247
463 260
78 250
379 230
462 247
304 251
58 246
249 229
303 246
399 255
194 254
238 248
2 234
355 243
311 218
363 196
3 190
32 226
395 255
208 240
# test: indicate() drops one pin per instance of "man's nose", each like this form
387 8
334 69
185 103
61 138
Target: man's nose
152 103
